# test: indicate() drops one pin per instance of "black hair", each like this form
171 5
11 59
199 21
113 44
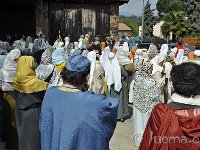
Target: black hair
186 79
77 79
197 46
180 42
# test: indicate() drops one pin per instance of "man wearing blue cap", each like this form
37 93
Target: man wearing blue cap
73 118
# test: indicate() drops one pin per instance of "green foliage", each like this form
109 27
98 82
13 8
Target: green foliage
193 12
175 22
131 22
149 20
166 6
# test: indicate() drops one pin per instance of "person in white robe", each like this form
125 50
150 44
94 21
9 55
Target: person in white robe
96 74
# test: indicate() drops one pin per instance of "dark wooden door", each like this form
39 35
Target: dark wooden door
17 20
77 19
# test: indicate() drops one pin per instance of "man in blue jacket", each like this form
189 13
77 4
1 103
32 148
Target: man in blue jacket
73 118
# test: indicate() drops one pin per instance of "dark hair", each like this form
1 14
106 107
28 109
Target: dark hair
197 46
77 79
186 79
180 42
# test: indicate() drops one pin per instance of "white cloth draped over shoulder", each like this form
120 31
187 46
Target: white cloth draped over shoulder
113 73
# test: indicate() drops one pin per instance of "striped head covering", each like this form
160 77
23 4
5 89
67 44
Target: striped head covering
46 57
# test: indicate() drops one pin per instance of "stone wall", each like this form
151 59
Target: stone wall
114 18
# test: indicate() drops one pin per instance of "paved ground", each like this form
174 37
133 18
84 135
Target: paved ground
122 138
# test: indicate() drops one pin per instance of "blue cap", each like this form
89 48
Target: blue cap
78 63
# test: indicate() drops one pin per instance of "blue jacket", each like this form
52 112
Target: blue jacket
75 120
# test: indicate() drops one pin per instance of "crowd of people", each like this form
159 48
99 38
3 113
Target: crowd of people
71 95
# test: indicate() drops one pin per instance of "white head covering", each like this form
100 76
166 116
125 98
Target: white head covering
162 56
8 70
58 56
197 53
72 51
66 41
80 42
76 46
85 53
87 36
164 48
60 44
113 72
104 57
139 54
43 71
122 55
156 60
125 47
2 58
92 57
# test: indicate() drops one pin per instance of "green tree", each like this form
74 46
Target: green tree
175 23
149 20
193 12
166 6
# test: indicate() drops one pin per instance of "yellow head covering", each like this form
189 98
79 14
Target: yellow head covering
103 45
61 66
25 80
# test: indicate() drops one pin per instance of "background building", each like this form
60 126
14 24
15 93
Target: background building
123 29
71 17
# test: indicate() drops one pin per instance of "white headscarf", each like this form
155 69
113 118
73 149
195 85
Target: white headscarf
122 56
2 58
58 56
92 57
66 41
8 70
43 71
197 53
45 68
76 45
164 48
113 72
139 54
156 60
125 47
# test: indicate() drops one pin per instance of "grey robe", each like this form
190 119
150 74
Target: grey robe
27 119
122 95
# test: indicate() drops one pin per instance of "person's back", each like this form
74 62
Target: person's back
176 125
72 118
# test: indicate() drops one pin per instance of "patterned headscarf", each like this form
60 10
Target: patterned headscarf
28 40
46 57
146 93
153 50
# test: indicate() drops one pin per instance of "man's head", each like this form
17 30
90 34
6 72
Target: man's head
186 79
76 72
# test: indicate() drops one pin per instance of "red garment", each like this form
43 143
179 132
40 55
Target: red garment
166 130
178 48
